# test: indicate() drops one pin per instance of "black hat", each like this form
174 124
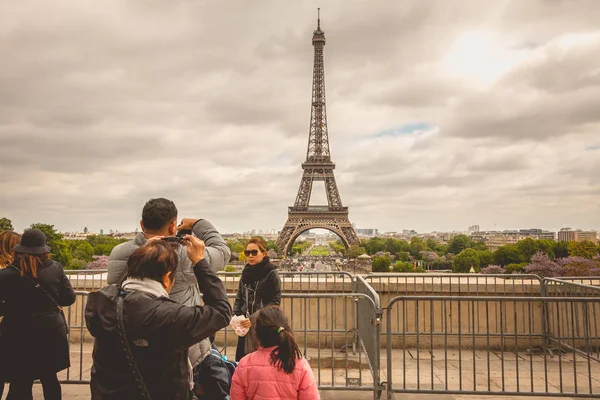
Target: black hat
33 241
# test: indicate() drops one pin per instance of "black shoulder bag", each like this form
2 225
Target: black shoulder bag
137 375
48 295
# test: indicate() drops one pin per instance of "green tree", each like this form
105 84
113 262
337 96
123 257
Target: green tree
561 250
374 245
403 256
355 251
381 264
60 248
546 246
508 254
585 249
83 251
433 244
403 267
527 247
486 257
392 245
417 245
235 246
459 243
5 224
465 260
338 247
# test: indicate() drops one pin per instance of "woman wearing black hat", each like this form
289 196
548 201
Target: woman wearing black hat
33 343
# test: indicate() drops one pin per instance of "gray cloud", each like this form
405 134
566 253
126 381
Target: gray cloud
209 104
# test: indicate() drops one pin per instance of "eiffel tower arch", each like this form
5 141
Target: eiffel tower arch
317 167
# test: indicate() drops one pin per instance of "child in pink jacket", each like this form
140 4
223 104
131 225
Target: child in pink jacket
277 369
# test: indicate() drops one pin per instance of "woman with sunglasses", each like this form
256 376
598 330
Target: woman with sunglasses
259 287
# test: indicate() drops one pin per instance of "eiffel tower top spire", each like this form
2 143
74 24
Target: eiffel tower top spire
318 139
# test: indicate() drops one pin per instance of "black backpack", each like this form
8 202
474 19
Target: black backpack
212 378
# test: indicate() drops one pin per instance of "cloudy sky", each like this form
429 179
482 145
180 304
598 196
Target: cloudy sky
441 114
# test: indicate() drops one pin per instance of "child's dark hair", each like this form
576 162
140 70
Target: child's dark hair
273 329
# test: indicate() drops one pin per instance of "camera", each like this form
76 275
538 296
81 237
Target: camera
183 232
174 239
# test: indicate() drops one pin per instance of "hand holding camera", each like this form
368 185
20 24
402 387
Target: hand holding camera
195 248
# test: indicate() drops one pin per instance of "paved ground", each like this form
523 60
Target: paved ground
445 370
80 392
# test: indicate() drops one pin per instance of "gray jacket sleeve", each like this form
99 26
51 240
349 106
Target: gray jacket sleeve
217 252
117 264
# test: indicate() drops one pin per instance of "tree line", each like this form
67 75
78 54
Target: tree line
73 254
461 253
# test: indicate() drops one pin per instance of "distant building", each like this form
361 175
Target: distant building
569 235
367 232
473 228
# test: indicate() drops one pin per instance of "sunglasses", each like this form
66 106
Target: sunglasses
251 252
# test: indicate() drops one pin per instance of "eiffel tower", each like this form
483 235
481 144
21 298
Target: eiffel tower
317 167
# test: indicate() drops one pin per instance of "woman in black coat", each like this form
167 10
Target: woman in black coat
259 286
33 342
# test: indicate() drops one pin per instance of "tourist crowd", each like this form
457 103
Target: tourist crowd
154 324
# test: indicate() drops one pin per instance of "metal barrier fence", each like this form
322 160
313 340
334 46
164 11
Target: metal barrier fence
369 315
339 281
430 284
300 282
540 337
435 354
326 327
389 286
87 279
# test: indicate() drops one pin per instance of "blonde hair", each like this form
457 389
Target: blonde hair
8 240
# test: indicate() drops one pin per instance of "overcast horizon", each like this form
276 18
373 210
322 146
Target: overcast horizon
441 114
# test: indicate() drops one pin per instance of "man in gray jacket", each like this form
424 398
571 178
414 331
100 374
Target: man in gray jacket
159 218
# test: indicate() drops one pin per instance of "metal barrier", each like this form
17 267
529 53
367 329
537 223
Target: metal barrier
326 328
389 286
369 315
466 340
561 318
338 282
440 355
412 284
300 282
80 342
88 280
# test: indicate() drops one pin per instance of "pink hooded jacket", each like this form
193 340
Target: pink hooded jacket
256 379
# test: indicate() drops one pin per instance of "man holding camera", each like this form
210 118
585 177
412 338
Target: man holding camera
159 218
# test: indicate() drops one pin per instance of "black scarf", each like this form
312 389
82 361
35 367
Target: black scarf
251 274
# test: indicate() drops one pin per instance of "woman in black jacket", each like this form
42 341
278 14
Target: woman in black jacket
8 240
259 286
145 354
33 343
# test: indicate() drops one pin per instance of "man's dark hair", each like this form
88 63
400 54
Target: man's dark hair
157 213
153 261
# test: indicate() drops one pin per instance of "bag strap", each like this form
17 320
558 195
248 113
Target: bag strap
137 375
39 286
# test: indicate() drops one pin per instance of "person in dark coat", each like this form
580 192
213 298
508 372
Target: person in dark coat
158 330
33 342
8 240
259 286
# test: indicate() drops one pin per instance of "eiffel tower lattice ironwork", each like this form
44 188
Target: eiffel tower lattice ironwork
318 167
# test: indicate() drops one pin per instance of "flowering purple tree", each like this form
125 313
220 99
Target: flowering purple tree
100 262
493 270
542 266
429 256
578 266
